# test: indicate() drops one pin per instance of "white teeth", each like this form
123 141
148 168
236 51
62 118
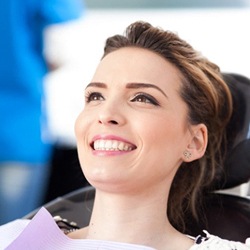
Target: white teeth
121 146
112 145
101 144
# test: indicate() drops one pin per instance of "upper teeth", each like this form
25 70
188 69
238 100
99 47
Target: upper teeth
112 145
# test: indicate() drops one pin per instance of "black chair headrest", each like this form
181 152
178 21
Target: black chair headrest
237 163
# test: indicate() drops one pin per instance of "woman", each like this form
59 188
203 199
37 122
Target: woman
149 140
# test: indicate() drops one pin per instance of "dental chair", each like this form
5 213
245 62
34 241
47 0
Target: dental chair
227 215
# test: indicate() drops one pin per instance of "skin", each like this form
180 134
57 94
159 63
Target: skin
134 99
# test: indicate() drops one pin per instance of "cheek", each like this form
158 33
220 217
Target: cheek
81 132
157 130
81 124
78 126
163 136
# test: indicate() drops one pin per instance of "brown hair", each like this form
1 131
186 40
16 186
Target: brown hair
209 102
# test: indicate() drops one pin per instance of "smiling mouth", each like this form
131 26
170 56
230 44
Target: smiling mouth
112 145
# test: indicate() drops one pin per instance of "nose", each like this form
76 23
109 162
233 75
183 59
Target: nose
111 115
103 120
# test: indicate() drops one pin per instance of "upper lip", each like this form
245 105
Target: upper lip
113 138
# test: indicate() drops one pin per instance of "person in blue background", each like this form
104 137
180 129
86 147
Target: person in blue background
24 139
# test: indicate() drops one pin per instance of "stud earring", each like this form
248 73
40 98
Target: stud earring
187 154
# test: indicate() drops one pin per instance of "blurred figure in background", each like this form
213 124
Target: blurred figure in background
24 139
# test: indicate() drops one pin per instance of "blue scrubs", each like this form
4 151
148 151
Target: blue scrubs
23 129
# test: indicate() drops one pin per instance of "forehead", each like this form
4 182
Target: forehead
133 64
134 56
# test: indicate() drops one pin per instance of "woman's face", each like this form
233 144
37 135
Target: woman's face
133 129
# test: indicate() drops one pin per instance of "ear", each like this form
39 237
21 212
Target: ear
198 143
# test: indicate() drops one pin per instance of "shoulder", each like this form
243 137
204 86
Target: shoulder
10 231
212 242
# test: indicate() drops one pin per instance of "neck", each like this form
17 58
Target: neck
138 219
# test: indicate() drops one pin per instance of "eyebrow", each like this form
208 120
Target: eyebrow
96 84
145 85
128 86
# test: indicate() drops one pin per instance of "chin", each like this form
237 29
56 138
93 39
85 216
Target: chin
107 183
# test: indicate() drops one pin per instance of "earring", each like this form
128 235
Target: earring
187 154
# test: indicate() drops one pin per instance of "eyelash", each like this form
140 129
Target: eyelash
145 98
89 96
140 97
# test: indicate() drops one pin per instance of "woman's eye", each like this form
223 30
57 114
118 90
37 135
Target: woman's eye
95 96
145 98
